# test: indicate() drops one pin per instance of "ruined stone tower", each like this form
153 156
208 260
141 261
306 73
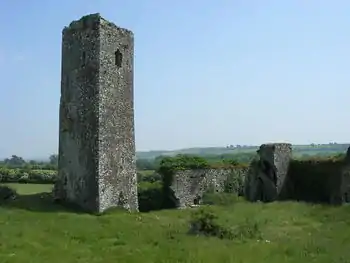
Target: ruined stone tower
97 168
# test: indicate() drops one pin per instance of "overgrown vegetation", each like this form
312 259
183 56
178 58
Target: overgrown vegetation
7 193
315 179
8 175
33 229
205 222
227 231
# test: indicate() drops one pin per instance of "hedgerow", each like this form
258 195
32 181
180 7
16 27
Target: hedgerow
27 176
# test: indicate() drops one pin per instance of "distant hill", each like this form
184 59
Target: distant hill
195 151
298 150
313 149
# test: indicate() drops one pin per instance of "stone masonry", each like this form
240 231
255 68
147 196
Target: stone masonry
189 186
97 163
341 192
268 173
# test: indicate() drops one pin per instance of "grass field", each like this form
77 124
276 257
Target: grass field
33 230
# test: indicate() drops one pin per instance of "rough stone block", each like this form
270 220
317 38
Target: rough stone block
342 194
268 173
97 166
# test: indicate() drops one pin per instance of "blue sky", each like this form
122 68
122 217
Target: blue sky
207 73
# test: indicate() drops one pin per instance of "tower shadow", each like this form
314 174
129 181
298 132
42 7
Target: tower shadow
40 202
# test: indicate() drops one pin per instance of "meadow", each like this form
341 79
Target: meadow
33 229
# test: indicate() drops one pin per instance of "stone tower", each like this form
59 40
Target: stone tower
97 166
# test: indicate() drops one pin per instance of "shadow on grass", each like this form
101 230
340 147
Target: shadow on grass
41 202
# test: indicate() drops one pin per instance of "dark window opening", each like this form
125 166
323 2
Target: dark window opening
197 200
83 58
118 58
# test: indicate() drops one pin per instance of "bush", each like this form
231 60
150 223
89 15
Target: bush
7 193
205 222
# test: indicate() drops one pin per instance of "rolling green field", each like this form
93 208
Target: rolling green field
298 150
32 229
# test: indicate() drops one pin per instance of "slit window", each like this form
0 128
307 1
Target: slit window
118 57
83 58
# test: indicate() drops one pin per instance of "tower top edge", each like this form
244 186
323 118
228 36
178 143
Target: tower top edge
94 21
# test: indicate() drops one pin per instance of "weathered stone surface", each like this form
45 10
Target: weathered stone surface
97 168
268 172
190 185
342 195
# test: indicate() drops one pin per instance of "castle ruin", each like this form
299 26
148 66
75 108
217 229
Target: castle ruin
97 162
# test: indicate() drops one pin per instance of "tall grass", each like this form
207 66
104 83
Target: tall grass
288 232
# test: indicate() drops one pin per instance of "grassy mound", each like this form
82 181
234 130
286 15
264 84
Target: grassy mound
33 229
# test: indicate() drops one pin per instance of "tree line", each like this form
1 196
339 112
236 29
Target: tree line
143 164
16 161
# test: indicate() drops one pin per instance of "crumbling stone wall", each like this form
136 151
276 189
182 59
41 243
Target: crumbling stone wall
273 175
97 166
188 186
344 188
315 180
324 180
267 174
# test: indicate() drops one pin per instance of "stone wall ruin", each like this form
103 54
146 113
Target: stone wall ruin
188 186
97 166
273 175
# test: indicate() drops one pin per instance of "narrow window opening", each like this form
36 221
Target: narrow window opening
83 58
118 58
197 200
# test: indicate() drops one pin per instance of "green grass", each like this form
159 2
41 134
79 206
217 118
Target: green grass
28 189
146 172
32 229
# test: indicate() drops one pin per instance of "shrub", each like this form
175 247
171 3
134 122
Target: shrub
7 193
205 222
